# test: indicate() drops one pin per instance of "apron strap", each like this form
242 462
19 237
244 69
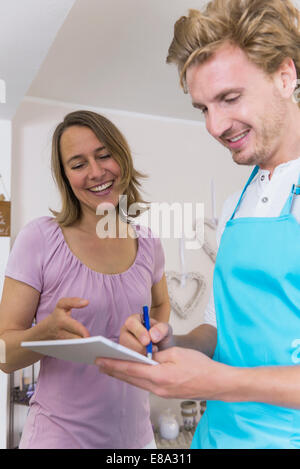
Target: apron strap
288 205
253 174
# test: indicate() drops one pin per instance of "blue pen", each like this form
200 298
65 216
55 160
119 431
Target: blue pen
147 325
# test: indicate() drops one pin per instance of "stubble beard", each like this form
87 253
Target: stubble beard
269 137
261 153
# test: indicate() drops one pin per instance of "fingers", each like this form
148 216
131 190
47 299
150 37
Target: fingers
68 303
134 326
128 340
71 326
146 377
134 332
64 335
159 331
67 326
133 373
138 382
135 336
162 334
169 355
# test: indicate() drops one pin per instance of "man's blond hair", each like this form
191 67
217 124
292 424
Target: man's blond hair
268 31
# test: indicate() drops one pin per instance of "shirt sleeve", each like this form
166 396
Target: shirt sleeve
159 261
228 208
25 262
210 313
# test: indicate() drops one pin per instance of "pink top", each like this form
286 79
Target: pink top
74 405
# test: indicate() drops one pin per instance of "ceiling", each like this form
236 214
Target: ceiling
112 53
94 53
27 31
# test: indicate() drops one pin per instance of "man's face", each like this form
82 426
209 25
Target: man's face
242 106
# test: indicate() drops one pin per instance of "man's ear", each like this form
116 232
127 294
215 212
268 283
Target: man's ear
285 78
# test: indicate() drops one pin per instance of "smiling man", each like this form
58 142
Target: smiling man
243 109
239 60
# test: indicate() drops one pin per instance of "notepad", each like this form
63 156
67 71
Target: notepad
86 350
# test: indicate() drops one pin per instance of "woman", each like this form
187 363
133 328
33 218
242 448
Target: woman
76 283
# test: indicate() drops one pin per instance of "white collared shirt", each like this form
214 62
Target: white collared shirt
263 198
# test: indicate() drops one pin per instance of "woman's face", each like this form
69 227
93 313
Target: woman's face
92 172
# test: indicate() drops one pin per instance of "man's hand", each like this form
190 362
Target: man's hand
181 373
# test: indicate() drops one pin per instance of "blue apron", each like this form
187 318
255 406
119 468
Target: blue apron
257 299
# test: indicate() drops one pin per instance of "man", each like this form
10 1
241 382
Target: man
239 61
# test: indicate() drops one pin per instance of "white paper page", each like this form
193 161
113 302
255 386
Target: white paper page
86 350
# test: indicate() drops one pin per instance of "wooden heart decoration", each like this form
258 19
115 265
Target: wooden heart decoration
174 288
206 246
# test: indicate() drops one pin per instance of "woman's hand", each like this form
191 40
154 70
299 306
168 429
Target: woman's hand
135 336
60 325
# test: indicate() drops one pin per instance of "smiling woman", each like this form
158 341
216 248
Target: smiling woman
77 284
92 173
108 142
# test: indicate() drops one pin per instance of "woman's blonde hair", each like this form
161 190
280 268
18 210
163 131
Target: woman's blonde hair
268 31
115 143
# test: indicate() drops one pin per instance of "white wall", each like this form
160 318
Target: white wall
27 30
179 157
5 169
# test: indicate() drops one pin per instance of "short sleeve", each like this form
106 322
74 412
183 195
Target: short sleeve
210 313
25 262
159 261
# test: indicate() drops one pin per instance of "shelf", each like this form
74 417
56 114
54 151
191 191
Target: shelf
21 397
